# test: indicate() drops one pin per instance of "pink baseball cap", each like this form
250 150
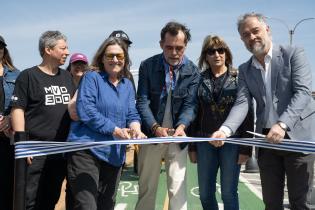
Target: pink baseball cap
78 57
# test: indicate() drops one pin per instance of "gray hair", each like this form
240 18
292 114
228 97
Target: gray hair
49 39
241 19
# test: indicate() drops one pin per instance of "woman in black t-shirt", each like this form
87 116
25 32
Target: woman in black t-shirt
40 102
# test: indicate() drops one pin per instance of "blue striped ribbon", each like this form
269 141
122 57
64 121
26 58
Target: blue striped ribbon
39 148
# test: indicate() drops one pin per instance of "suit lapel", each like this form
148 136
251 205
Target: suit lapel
259 83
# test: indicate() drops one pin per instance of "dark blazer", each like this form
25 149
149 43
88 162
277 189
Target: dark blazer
291 85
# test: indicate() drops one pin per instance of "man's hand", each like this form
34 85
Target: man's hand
161 132
276 134
220 135
180 130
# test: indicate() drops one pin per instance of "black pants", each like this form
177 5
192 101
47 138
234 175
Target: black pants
43 182
93 182
298 167
6 173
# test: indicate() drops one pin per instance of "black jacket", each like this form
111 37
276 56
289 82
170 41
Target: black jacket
213 110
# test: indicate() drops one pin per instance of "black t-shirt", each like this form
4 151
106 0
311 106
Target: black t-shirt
217 85
44 99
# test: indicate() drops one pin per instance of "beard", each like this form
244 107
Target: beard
258 48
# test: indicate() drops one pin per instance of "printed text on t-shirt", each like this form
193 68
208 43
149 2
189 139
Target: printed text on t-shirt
56 95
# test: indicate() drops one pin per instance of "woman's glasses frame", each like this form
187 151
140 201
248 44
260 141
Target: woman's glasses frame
212 51
110 56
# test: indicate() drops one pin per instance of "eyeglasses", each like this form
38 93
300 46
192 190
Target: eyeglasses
119 56
211 51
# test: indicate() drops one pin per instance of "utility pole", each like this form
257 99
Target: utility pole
291 31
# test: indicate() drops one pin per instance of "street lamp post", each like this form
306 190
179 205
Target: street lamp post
291 31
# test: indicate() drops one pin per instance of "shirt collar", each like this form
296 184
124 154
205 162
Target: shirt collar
5 69
104 75
267 59
178 66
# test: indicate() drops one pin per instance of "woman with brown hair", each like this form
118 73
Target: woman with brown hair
106 109
216 96
8 75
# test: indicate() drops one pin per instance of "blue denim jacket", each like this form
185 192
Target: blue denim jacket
101 107
9 77
150 103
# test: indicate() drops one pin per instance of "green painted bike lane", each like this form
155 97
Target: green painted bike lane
127 194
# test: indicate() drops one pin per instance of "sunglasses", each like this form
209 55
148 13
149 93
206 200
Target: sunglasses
2 47
211 51
119 56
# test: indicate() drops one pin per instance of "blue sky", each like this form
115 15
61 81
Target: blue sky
87 23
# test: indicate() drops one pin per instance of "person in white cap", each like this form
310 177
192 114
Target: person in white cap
121 35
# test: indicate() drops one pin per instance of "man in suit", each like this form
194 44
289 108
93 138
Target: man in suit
167 103
279 79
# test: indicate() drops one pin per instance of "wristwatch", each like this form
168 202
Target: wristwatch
283 126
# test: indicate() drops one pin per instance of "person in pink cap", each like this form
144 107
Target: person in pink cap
78 65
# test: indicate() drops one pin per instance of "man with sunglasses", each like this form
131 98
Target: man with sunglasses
279 79
166 101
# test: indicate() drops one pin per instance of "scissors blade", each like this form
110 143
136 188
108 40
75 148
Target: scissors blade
256 134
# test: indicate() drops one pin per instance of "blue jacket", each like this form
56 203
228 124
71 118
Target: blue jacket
150 100
9 77
101 107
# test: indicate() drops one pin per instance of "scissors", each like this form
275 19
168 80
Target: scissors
256 134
